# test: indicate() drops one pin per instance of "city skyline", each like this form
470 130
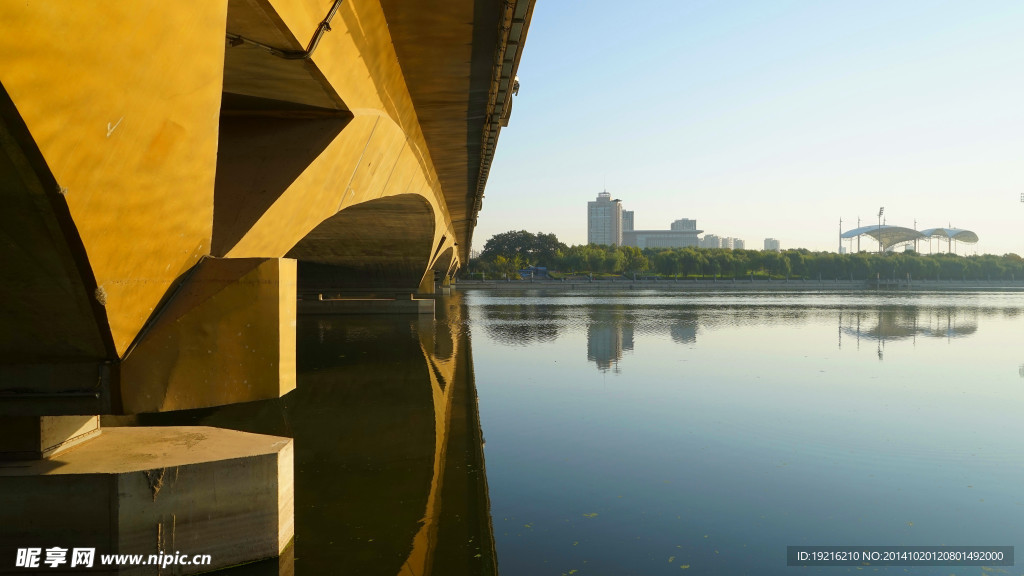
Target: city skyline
777 120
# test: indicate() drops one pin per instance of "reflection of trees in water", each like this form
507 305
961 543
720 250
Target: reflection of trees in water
520 324
611 326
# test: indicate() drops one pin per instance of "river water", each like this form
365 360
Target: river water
650 433
659 433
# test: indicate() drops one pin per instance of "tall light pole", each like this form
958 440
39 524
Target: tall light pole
879 232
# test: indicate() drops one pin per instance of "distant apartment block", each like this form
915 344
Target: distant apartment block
710 241
683 233
627 220
772 244
714 241
604 220
608 224
661 238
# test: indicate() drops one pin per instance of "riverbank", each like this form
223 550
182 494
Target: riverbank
731 285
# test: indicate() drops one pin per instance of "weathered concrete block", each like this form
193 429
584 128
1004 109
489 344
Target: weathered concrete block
152 491
36 437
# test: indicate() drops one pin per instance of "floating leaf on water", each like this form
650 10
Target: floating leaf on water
684 566
671 558
590 515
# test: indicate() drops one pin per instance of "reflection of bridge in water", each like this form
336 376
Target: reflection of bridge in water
389 468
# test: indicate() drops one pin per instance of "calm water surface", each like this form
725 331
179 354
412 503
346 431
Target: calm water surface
653 433
648 433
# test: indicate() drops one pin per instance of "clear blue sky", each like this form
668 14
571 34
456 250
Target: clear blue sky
768 119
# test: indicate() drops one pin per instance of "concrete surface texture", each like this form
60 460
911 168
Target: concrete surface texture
194 489
155 135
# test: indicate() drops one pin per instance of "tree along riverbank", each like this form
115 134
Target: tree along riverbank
743 285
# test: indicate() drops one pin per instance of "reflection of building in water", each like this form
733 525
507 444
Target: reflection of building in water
684 330
906 323
607 339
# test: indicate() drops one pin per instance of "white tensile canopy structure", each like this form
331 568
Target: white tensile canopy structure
889 236
952 234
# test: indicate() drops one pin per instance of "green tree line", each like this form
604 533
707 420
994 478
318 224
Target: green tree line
505 254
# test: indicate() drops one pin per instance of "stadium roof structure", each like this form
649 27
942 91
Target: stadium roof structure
952 233
887 236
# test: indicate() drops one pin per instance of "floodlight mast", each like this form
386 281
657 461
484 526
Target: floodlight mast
879 231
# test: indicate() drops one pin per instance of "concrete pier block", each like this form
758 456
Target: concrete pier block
151 491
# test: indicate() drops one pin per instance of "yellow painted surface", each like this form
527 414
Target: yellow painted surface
123 102
382 151
227 336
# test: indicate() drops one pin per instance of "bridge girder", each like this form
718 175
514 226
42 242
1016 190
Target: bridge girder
151 137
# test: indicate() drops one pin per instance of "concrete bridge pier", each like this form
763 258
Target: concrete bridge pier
214 497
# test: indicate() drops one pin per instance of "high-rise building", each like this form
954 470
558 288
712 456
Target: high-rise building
772 244
604 220
627 220
738 244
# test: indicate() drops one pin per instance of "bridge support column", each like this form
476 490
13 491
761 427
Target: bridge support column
227 335
426 284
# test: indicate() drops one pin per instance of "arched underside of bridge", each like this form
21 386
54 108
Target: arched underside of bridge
375 247
166 164
167 170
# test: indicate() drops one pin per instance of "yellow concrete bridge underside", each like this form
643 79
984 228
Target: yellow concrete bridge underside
174 172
